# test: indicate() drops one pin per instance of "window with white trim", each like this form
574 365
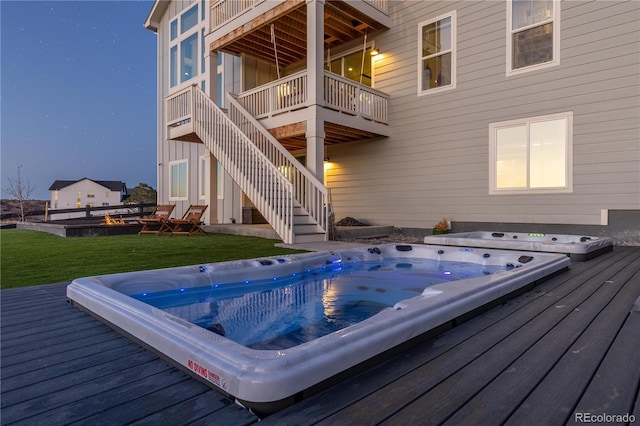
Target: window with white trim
184 55
437 54
202 177
179 180
531 155
533 34
354 64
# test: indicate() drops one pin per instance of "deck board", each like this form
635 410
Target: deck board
568 353
620 369
569 345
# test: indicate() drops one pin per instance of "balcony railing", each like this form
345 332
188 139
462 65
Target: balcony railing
340 94
223 11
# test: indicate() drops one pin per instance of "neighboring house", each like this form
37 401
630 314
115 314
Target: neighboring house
399 112
69 194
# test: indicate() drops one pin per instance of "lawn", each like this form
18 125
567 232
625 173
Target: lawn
31 257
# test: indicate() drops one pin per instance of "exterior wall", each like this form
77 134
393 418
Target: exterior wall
436 161
224 198
169 151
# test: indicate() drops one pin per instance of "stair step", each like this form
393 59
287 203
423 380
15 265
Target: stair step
306 228
309 238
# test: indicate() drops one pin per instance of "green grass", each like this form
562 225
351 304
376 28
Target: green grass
31 257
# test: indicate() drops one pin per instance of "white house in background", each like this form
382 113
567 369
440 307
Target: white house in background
71 194
399 112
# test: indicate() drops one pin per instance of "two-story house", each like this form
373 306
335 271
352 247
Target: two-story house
399 112
70 194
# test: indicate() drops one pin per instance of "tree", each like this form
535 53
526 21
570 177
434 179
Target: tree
142 193
20 190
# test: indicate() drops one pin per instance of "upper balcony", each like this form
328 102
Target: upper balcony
351 111
245 26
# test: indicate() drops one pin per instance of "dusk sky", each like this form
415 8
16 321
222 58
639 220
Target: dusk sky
78 92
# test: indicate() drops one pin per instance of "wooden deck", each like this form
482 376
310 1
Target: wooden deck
570 347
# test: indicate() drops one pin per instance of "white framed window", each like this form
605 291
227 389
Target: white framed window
184 54
533 35
179 180
202 177
531 155
353 64
437 54
220 189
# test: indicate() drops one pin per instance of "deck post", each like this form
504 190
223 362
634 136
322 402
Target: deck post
315 87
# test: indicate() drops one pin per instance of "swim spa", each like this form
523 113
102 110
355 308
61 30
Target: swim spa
266 330
578 247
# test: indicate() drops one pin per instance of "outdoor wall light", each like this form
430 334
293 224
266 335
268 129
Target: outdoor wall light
375 51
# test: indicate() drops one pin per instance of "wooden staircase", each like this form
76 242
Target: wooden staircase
291 199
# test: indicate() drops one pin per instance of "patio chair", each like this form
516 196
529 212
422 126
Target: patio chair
190 222
157 222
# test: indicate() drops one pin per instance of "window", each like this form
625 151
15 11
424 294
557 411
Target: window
533 34
202 178
178 180
189 58
188 19
220 188
184 54
174 66
353 66
174 29
91 195
437 54
532 155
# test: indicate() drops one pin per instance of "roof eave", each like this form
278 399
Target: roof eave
155 15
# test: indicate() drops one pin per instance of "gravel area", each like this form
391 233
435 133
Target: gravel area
391 238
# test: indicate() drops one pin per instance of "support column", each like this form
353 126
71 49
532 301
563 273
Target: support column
315 145
315 87
211 172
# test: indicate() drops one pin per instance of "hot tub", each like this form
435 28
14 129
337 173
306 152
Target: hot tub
578 247
265 330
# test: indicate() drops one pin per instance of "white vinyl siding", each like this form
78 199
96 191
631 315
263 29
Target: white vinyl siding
436 161
532 155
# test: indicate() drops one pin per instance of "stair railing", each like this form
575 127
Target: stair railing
261 180
307 189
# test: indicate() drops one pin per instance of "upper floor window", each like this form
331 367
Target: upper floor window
437 54
533 34
188 19
531 155
183 51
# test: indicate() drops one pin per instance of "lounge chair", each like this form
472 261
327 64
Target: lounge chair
157 222
190 222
